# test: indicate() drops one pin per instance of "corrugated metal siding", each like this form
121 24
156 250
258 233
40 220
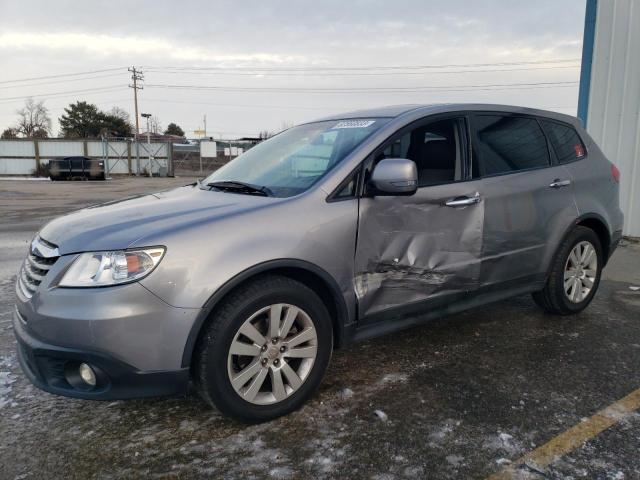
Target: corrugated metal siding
17 166
614 100
53 148
17 148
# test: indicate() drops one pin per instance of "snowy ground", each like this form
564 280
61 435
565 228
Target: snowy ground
461 397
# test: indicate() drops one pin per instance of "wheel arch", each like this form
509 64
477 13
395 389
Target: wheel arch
307 273
594 222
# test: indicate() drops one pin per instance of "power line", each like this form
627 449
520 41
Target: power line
61 81
353 74
360 68
305 69
249 105
448 88
68 92
62 75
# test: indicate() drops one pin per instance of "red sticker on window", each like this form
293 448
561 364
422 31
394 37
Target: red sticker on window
579 149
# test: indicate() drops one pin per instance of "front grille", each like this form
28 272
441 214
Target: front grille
36 266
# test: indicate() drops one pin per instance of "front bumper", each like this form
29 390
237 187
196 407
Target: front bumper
54 369
127 322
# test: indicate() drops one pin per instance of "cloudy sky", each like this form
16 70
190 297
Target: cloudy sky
255 65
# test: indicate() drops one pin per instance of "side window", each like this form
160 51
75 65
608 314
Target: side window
435 147
349 187
508 144
565 141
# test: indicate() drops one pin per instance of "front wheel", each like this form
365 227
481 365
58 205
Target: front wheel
265 350
575 274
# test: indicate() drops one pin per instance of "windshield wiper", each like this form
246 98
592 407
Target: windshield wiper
241 187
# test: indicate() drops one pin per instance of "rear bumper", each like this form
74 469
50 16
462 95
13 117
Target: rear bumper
54 369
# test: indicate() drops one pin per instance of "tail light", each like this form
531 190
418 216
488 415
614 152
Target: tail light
615 173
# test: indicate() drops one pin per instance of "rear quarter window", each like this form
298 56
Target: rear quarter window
565 141
509 144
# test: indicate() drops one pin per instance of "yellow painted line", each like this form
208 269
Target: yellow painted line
566 442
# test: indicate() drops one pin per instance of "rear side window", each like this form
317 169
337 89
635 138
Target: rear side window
508 144
565 141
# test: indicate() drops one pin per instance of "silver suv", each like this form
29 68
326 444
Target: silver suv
332 231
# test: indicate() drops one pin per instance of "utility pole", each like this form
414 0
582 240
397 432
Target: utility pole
205 126
136 75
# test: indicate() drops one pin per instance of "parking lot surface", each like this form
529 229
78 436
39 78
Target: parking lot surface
462 397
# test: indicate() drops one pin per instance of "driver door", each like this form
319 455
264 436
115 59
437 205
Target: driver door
412 250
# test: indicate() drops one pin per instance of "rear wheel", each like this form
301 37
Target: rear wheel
575 274
265 350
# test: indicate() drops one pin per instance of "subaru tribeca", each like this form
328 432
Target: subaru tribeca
332 231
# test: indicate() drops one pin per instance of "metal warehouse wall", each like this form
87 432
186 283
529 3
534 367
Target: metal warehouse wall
613 92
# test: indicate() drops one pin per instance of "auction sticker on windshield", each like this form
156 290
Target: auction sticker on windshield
354 124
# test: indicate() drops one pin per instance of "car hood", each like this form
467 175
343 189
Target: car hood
128 222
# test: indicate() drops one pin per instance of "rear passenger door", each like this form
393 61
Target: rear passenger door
528 198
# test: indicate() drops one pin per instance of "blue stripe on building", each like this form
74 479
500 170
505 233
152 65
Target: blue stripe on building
587 59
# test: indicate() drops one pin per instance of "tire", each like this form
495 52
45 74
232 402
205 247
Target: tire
256 303
554 298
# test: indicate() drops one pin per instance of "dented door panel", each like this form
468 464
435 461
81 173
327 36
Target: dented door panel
415 248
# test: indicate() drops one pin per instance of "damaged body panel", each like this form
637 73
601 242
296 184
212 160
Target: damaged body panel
411 249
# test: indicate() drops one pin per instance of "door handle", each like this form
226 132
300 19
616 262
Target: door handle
463 201
557 183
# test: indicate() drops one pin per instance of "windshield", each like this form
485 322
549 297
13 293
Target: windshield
295 159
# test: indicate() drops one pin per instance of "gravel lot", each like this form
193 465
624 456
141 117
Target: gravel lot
461 397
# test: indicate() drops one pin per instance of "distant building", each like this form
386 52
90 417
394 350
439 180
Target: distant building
160 137
250 140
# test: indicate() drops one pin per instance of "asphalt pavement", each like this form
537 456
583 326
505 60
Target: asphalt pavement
485 392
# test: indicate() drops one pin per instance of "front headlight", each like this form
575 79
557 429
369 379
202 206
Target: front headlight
99 269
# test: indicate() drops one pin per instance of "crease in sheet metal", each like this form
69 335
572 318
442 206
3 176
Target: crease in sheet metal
414 248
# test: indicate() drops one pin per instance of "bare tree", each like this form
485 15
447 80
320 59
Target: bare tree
264 134
154 123
120 113
286 125
33 119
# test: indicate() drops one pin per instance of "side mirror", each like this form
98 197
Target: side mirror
395 176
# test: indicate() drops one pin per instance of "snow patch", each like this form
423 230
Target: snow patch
394 378
505 443
345 393
381 415
281 472
6 380
455 460
444 431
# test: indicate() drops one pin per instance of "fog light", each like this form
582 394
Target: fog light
87 374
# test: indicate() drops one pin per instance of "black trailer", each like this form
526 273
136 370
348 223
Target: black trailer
76 168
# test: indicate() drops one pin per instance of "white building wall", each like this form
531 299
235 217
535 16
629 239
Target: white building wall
54 148
17 166
613 118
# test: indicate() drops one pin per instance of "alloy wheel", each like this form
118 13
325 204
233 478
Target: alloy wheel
272 354
580 271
